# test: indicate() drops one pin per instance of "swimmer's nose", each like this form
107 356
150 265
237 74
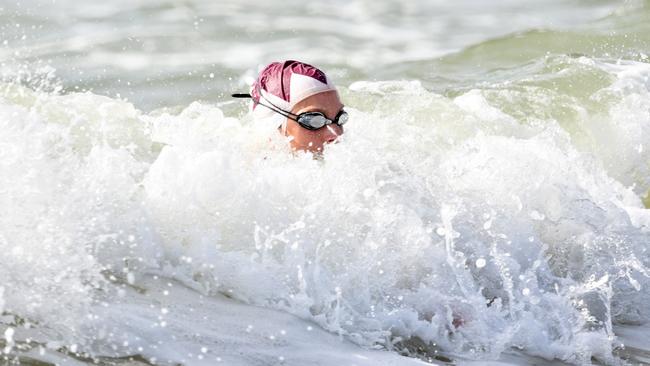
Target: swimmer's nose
333 133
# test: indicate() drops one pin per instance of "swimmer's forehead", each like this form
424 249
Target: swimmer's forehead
327 103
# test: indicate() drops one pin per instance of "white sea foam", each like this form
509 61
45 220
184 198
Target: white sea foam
436 218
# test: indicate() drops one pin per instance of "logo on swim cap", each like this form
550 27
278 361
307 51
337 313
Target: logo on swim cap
286 83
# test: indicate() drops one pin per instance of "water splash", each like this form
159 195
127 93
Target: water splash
449 220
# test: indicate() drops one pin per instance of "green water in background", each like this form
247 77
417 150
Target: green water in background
167 53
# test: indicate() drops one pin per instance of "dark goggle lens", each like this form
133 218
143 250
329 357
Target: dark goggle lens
342 118
316 120
313 120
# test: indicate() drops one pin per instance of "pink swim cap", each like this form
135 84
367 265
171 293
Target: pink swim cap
286 83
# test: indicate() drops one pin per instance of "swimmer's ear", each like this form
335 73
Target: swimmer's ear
241 95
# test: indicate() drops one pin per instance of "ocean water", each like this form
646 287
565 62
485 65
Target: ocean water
488 201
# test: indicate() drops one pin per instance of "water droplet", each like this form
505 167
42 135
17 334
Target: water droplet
9 334
480 263
368 192
536 215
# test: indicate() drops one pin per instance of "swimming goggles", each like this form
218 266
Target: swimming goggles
309 120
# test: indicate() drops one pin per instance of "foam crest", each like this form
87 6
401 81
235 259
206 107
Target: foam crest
438 222
385 233
70 196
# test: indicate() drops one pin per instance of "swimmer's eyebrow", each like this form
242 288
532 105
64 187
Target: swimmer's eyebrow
316 109
308 109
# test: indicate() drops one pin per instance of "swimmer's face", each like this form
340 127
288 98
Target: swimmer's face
314 141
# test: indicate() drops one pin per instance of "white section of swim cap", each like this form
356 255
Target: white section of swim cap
302 87
262 112
266 119
276 100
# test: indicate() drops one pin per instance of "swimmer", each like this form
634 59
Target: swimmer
305 102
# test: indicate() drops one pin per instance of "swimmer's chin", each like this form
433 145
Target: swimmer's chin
317 153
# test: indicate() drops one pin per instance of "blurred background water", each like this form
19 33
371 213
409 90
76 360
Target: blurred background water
163 53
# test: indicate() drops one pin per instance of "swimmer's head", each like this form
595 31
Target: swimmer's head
302 101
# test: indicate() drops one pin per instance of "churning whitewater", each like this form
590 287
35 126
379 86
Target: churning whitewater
504 214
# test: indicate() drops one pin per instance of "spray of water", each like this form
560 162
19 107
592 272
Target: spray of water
450 221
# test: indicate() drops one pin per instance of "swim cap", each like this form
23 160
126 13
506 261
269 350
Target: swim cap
286 83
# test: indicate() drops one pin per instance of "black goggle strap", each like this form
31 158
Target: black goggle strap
272 106
288 114
241 95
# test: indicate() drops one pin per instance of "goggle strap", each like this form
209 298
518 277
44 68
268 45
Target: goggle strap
272 106
241 95
279 111
284 113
